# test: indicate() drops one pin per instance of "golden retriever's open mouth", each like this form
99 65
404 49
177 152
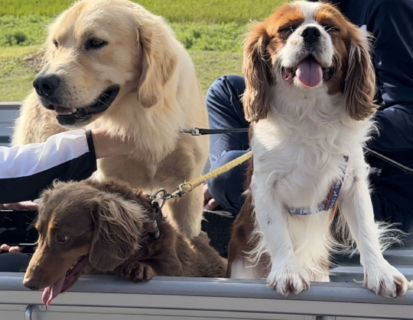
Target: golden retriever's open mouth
70 116
65 282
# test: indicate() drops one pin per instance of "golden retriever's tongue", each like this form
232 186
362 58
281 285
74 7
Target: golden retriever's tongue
53 291
309 72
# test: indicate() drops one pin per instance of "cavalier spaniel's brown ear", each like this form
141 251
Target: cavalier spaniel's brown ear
257 70
360 80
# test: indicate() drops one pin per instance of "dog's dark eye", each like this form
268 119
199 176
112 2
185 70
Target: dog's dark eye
55 44
287 30
330 28
60 238
94 44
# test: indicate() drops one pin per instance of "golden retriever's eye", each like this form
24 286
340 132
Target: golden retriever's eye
55 44
330 28
60 238
94 44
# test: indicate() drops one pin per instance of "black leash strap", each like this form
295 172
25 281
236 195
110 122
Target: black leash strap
390 161
200 132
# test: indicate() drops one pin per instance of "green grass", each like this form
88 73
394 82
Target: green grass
211 30
211 65
22 31
16 76
215 49
211 11
31 30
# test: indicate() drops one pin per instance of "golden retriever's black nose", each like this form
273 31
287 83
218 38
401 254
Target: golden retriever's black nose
32 284
46 85
311 35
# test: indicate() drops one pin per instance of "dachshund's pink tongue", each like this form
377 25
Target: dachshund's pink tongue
309 72
53 291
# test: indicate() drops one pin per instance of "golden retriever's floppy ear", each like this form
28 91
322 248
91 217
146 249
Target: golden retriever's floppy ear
257 70
118 226
158 59
360 80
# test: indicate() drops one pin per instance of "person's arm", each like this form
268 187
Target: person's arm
391 23
27 170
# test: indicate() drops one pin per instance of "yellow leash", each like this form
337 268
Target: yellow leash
192 184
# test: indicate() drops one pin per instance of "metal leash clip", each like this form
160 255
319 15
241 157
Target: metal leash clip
192 131
160 197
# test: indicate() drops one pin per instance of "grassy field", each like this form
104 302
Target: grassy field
210 30
210 11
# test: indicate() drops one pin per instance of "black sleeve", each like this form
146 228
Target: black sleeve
25 171
391 23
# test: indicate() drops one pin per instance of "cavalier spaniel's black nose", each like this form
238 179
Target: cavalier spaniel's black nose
46 85
311 35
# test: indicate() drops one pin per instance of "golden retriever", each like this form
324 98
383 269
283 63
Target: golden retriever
108 228
113 64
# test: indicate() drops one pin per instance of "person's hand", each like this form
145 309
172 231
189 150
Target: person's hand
7 248
209 202
25 205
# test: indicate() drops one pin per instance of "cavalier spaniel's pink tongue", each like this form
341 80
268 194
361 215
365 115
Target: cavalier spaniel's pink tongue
309 72
53 291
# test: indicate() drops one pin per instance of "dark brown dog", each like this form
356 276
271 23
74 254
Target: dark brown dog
109 228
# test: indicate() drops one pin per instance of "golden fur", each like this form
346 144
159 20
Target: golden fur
159 94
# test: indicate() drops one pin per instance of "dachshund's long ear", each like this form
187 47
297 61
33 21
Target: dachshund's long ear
118 227
360 80
257 70
159 59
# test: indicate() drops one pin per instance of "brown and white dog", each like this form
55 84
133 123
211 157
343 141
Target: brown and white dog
112 64
309 93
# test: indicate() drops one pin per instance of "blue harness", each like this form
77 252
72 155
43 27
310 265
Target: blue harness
329 201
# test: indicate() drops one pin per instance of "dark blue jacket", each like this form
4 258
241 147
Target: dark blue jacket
391 23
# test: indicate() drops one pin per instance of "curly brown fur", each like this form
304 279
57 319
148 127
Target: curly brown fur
105 222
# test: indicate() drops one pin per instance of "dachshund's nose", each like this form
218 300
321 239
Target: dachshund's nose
32 284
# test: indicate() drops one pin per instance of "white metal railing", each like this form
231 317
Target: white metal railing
205 298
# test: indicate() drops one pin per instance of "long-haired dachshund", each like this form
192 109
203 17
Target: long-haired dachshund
109 228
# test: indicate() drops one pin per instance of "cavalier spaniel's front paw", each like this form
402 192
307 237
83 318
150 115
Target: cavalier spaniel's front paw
288 279
386 280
